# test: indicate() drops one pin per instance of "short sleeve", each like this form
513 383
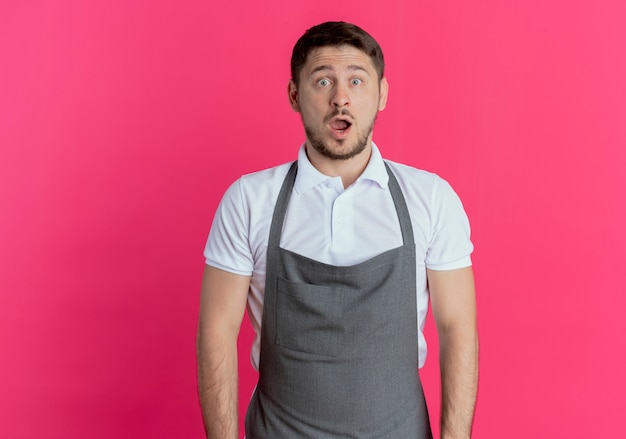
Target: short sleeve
450 246
228 247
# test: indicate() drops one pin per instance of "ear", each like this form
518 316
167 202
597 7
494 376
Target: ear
383 93
292 91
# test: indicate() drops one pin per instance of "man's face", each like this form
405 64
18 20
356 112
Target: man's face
338 97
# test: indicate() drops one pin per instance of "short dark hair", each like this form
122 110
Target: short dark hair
335 34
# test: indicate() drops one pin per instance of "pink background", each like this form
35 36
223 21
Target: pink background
122 123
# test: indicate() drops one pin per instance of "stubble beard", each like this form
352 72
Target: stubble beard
315 140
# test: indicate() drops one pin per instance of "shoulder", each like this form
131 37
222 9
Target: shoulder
417 180
241 224
252 196
266 178
257 187
428 191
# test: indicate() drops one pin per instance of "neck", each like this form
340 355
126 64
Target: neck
349 170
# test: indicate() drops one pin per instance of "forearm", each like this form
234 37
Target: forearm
459 380
217 386
222 306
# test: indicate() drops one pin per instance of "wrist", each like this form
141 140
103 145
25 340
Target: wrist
453 435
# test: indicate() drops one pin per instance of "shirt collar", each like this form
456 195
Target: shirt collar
309 177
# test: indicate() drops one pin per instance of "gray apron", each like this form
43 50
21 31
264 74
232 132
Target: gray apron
339 344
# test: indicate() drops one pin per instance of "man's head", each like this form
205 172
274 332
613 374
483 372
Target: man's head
335 34
338 87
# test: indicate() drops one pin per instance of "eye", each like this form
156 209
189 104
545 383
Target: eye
323 82
356 81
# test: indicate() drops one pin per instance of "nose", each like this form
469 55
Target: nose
340 97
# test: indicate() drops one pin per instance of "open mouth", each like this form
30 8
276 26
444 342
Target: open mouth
340 126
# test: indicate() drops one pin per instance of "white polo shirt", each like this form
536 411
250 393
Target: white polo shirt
338 226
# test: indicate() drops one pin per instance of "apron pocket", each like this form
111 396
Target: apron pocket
308 317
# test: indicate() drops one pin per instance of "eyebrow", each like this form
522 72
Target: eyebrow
330 68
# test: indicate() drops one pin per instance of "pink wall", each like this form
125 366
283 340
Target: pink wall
121 124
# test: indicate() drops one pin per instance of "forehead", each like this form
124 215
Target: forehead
337 58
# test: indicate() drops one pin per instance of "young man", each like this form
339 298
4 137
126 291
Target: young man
336 256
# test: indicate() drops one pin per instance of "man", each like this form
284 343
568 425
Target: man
336 256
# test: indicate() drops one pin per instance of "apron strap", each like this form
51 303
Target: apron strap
401 208
281 206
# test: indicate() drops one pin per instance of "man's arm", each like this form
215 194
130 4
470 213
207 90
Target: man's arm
222 306
454 308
